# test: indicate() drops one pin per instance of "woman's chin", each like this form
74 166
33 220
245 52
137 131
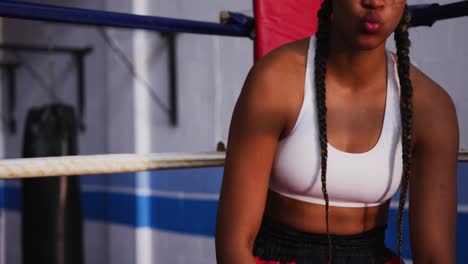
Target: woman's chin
368 42
363 41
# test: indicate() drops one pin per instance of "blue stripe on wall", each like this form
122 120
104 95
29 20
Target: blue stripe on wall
12 198
185 216
2 196
462 183
196 217
198 180
391 234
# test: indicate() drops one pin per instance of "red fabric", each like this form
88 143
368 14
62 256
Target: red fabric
278 22
394 260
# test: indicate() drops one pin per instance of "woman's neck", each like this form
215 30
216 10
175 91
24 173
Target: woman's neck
355 69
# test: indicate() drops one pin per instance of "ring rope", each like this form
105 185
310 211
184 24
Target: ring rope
79 16
104 164
463 155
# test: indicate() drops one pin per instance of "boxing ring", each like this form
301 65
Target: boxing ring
266 32
272 26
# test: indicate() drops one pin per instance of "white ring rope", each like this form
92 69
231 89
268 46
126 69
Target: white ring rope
463 155
103 164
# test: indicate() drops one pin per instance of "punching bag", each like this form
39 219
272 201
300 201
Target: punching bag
51 207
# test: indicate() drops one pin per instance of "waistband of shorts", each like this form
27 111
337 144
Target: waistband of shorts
290 237
277 242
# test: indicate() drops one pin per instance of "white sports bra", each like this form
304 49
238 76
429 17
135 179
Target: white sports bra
353 179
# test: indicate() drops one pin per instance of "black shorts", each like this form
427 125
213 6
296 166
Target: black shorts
278 244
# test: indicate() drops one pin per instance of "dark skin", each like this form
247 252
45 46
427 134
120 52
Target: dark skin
267 110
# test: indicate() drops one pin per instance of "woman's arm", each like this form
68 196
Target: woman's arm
257 123
433 190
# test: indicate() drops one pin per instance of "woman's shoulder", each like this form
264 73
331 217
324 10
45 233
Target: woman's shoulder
425 89
434 109
286 61
428 95
275 84
280 72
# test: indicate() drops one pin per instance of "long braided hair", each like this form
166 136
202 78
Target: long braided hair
406 108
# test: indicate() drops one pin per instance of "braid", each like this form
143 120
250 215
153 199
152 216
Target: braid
406 107
321 53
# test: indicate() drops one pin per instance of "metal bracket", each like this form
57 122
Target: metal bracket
79 55
10 71
172 62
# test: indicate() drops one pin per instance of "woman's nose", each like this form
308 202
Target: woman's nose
374 4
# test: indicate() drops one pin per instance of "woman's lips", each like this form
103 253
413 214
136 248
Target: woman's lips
372 23
372 27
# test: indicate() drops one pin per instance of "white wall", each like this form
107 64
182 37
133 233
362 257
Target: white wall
210 74
32 93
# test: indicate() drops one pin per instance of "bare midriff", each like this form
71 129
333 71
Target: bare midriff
309 217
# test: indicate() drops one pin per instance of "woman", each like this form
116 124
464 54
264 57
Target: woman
324 132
